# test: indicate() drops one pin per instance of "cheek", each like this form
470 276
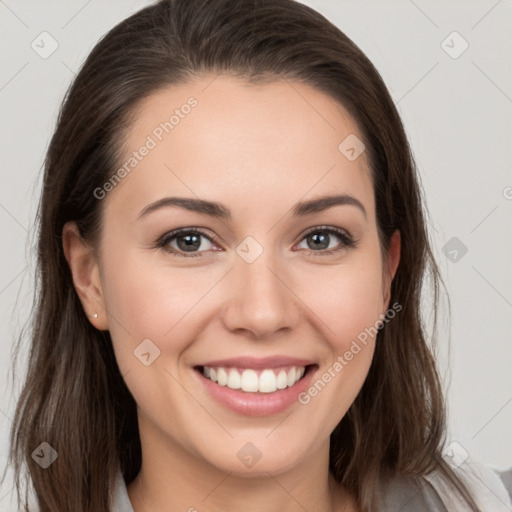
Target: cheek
146 300
347 298
349 303
145 289
148 297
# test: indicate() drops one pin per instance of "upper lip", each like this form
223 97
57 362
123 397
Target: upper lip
258 363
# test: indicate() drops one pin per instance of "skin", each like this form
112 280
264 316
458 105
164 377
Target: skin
258 150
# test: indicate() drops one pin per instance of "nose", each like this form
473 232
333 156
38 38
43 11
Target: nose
261 298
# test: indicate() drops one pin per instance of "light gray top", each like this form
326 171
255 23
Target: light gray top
427 494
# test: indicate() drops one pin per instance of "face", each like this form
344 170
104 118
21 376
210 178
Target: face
256 290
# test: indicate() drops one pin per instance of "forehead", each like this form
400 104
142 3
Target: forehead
219 137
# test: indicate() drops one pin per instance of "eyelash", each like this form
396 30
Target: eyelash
347 242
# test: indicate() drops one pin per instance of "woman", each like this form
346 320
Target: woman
231 251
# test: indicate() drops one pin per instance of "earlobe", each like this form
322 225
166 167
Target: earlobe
86 277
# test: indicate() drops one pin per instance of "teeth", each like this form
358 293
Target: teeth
282 380
291 376
248 380
268 382
222 377
234 379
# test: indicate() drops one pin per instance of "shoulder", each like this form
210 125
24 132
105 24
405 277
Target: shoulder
120 500
433 492
485 484
409 494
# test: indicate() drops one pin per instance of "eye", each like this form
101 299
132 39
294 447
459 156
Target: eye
188 242
320 238
185 242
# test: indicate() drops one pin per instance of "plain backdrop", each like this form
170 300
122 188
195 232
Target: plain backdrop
446 66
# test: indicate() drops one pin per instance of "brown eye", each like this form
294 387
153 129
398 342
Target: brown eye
185 242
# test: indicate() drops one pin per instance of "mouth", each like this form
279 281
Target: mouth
249 380
255 391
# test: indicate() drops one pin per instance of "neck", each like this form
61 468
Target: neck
172 478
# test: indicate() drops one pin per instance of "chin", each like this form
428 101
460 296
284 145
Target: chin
257 458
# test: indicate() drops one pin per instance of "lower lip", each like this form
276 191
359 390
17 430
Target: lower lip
257 404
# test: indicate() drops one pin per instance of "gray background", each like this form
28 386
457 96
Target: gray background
457 112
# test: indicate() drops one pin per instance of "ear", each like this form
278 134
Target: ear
393 259
86 277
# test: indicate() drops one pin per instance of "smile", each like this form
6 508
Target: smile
268 380
256 391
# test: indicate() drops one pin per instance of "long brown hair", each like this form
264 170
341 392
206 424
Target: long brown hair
74 397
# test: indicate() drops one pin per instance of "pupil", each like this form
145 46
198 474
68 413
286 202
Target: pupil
190 241
322 239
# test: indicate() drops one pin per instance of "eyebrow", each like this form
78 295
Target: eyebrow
217 210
